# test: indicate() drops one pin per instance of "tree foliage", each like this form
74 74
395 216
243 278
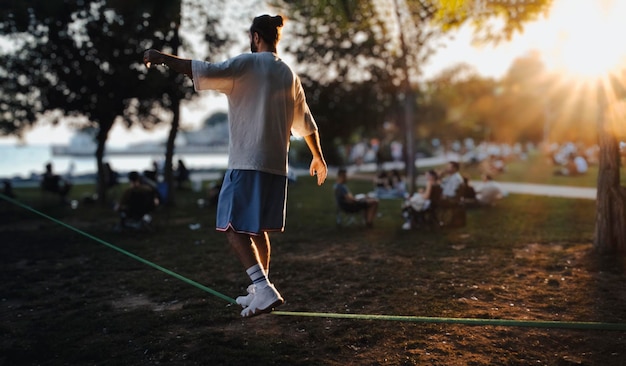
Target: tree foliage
84 59
459 102
383 44
492 20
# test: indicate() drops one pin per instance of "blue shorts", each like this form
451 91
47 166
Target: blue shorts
252 202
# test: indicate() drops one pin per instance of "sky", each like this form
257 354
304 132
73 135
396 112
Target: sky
574 37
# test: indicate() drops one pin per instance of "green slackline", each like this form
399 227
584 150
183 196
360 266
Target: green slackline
136 257
466 321
398 318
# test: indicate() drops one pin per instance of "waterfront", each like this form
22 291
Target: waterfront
26 162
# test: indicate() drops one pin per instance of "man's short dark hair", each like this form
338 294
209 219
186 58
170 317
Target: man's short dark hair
268 27
455 164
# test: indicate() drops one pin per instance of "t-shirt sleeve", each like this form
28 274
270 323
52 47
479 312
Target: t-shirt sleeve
213 76
303 121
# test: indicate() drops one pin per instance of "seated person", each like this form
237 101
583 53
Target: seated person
451 206
421 200
389 186
469 193
214 191
453 181
152 175
137 202
54 183
348 203
489 191
582 166
398 185
182 174
381 183
7 189
575 165
110 176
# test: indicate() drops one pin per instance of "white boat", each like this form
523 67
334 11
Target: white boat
81 143
210 139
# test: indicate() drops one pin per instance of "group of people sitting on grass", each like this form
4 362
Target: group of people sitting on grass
144 192
447 187
389 185
54 183
137 203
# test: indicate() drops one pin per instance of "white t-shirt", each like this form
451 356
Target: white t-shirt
451 184
266 102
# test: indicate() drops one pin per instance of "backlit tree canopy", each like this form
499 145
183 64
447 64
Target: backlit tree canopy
380 46
83 59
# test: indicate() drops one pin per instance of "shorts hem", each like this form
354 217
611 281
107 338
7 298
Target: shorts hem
230 226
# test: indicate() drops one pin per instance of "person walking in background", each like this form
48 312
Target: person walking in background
266 103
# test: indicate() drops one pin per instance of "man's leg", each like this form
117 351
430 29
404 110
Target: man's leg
265 296
263 248
245 251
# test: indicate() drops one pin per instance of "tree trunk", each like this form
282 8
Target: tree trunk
168 175
175 97
101 187
409 99
610 235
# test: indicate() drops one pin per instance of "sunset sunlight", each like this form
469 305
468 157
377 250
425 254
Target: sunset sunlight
579 45
585 37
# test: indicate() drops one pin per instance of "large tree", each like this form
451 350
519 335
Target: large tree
83 58
610 233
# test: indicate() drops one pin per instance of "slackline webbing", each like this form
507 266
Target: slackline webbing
134 256
465 321
398 318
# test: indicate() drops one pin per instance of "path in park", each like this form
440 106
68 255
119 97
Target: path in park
548 190
509 187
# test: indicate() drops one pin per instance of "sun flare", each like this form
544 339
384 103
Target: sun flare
588 37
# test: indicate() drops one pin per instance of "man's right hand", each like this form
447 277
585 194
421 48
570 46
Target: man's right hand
319 168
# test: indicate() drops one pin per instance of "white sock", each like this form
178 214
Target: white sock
258 276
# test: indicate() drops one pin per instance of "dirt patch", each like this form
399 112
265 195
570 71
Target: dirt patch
66 300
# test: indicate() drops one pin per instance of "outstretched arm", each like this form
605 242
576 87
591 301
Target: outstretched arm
180 65
318 165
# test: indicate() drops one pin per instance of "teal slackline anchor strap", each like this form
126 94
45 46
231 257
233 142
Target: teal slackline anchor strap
397 318
136 257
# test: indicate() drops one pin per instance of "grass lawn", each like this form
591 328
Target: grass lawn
66 299
538 170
